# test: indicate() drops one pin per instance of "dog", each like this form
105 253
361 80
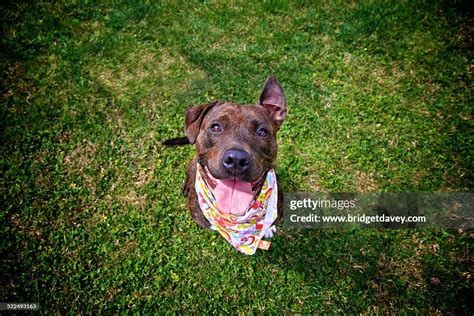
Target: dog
235 151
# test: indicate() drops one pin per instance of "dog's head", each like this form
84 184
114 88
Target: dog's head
236 144
238 141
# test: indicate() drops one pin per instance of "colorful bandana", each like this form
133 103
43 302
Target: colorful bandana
244 232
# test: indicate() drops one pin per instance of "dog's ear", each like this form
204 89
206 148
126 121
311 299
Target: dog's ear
273 99
193 120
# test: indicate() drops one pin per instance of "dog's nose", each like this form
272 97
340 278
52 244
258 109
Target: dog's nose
236 161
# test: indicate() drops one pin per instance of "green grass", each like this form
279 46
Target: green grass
92 220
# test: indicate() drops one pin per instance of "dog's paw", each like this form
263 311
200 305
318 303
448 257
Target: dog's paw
271 231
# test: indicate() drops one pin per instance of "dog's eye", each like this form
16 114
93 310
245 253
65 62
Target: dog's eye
216 128
263 132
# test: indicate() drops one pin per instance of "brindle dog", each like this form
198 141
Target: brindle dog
234 142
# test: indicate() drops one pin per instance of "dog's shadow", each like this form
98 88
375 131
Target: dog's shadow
335 264
376 266
324 257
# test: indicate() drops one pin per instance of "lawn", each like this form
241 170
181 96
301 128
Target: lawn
92 220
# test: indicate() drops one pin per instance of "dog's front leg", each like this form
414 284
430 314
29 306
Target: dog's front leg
190 178
189 191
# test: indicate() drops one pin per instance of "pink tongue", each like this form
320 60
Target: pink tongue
233 196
